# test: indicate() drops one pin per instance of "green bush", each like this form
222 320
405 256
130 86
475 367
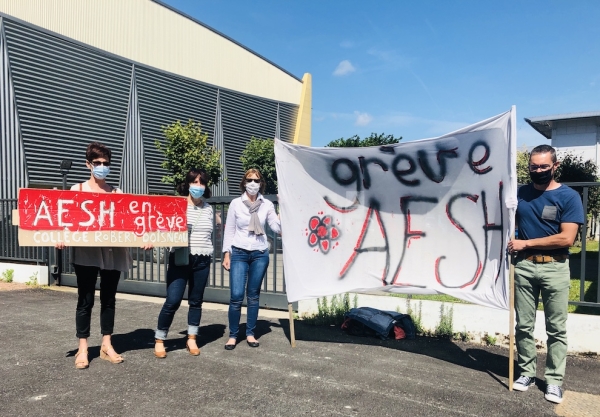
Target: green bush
33 281
8 275
463 336
489 340
331 313
184 147
445 328
416 317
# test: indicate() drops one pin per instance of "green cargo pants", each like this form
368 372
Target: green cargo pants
552 281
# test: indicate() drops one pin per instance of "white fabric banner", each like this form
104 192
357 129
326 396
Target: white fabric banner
424 217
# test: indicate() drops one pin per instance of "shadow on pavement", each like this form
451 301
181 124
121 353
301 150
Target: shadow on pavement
142 339
494 364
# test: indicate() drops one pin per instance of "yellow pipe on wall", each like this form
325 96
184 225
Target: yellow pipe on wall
303 121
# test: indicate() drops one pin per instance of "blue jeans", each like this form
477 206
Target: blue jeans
196 276
245 275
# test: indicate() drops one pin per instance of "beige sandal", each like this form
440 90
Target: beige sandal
161 354
193 352
82 364
104 354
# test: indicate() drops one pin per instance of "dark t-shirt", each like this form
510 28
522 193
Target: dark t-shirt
540 213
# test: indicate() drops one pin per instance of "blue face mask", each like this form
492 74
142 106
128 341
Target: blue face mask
196 191
100 172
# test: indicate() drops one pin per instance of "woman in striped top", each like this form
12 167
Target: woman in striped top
195 273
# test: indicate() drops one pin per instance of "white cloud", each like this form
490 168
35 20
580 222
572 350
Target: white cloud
362 119
345 67
347 44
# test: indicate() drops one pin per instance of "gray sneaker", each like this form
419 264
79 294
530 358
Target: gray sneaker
554 394
523 383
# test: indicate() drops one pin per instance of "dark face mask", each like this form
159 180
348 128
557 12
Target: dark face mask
541 178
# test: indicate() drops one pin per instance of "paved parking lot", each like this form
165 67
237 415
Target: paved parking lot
328 374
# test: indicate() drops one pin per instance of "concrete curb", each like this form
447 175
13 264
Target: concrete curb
583 330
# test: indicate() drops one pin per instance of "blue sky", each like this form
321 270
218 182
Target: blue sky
420 69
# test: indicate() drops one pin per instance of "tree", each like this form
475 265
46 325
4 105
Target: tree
260 154
572 168
372 140
186 147
523 167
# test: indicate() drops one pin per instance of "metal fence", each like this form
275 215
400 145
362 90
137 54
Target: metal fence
9 239
149 271
589 290
148 274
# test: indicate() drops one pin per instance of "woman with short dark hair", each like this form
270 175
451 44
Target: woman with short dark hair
90 261
246 252
191 266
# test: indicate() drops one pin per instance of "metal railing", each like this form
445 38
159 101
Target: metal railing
9 239
150 267
584 189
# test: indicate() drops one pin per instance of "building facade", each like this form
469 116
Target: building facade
115 71
576 133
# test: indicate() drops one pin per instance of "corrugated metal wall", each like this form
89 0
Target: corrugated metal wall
222 188
164 99
244 117
13 170
134 177
68 95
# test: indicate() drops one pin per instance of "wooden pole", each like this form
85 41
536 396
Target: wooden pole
511 319
292 331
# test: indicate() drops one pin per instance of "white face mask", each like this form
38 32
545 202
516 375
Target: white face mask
252 188
100 172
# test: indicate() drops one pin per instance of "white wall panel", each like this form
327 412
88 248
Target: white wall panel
151 34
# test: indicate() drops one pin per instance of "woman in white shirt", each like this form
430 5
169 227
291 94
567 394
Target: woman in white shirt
246 252
90 261
193 268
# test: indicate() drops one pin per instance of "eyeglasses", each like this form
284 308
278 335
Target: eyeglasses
253 180
542 167
98 163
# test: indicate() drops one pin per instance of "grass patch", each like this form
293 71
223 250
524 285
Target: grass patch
434 297
591 278
590 246
331 313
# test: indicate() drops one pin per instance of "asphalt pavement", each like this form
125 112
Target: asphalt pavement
328 374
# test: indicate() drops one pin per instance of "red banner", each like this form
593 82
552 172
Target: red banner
86 219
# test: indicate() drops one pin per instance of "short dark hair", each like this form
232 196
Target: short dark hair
544 149
184 187
263 183
97 150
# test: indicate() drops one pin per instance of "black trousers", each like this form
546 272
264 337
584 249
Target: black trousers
86 285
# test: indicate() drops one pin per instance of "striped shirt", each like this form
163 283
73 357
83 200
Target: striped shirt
200 218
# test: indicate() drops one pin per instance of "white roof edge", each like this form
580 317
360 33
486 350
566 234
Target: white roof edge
581 115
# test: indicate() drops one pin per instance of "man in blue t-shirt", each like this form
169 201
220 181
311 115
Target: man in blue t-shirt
548 218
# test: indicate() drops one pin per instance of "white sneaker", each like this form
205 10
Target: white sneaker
523 383
554 394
